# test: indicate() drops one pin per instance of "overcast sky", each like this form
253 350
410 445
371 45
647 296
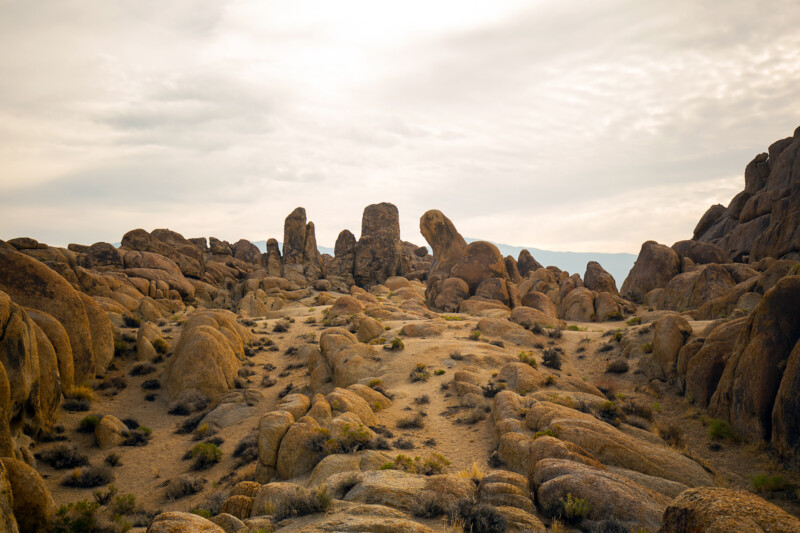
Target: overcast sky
580 125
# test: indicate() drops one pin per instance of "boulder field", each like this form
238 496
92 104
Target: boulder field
178 384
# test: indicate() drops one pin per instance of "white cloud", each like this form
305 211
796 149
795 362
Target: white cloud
583 125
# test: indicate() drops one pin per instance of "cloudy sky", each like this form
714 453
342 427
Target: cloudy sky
580 125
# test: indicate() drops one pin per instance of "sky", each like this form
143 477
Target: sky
581 125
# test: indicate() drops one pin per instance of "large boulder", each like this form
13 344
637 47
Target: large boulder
207 356
720 510
272 260
8 524
749 385
704 369
178 522
343 263
294 245
312 260
32 284
700 253
481 261
609 495
598 280
526 263
669 337
691 290
379 251
59 340
655 266
248 252
34 507
448 248
170 244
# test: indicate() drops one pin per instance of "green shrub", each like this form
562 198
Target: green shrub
647 347
431 465
439 371
634 321
453 318
161 346
574 510
528 359
205 455
770 484
420 373
475 334
551 359
396 344
75 517
721 430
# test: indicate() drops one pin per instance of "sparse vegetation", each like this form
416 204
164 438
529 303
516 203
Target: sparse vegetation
528 359
431 465
185 485
770 484
303 503
429 504
551 359
672 433
473 516
88 477
396 344
647 347
62 456
142 369
475 334
415 421
555 333
88 423
634 321
112 459
721 430
80 393
574 510
439 372
420 373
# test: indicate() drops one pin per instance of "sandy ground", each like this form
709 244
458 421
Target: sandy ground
144 470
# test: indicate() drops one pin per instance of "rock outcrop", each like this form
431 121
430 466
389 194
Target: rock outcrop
654 268
379 251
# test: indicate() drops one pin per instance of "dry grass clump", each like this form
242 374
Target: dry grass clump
429 504
414 421
431 465
183 486
672 433
142 369
303 503
88 477
474 516
205 455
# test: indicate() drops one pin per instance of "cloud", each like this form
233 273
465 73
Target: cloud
584 126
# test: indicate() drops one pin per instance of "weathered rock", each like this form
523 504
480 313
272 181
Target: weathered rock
597 279
32 284
700 253
343 263
102 332
379 251
786 411
400 490
296 454
33 505
238 505
507 331
747 389
59 340
177 522
423 329
704 369
271 430
609 495
8 524
207 356
655 266
692 289
670 335
527 317
110 432
521 377
448 248
230 523
346 306
295 404
720 510
578 305
452 292
526 263
312 260
248 252
367 328
481 261
273 261
709 218
294 242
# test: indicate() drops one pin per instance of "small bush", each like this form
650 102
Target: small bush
617 366
302 504
491 389
420 373
672 433
138 437
205 455
151 384
474 517
536 329
74 405
75 517
142 369
396 344
475 334
88 477
403 443
62 456
647 347
721 430
634 321
475 473
161 346
183 486
281 326
131 423
555 333
429 504
574 510
422 400
550 379
88 424
195 401
439 372
103 497
112 460
551 359
246 450
456 355
131 321
414 421
528 359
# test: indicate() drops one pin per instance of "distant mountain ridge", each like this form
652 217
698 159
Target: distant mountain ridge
618 265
